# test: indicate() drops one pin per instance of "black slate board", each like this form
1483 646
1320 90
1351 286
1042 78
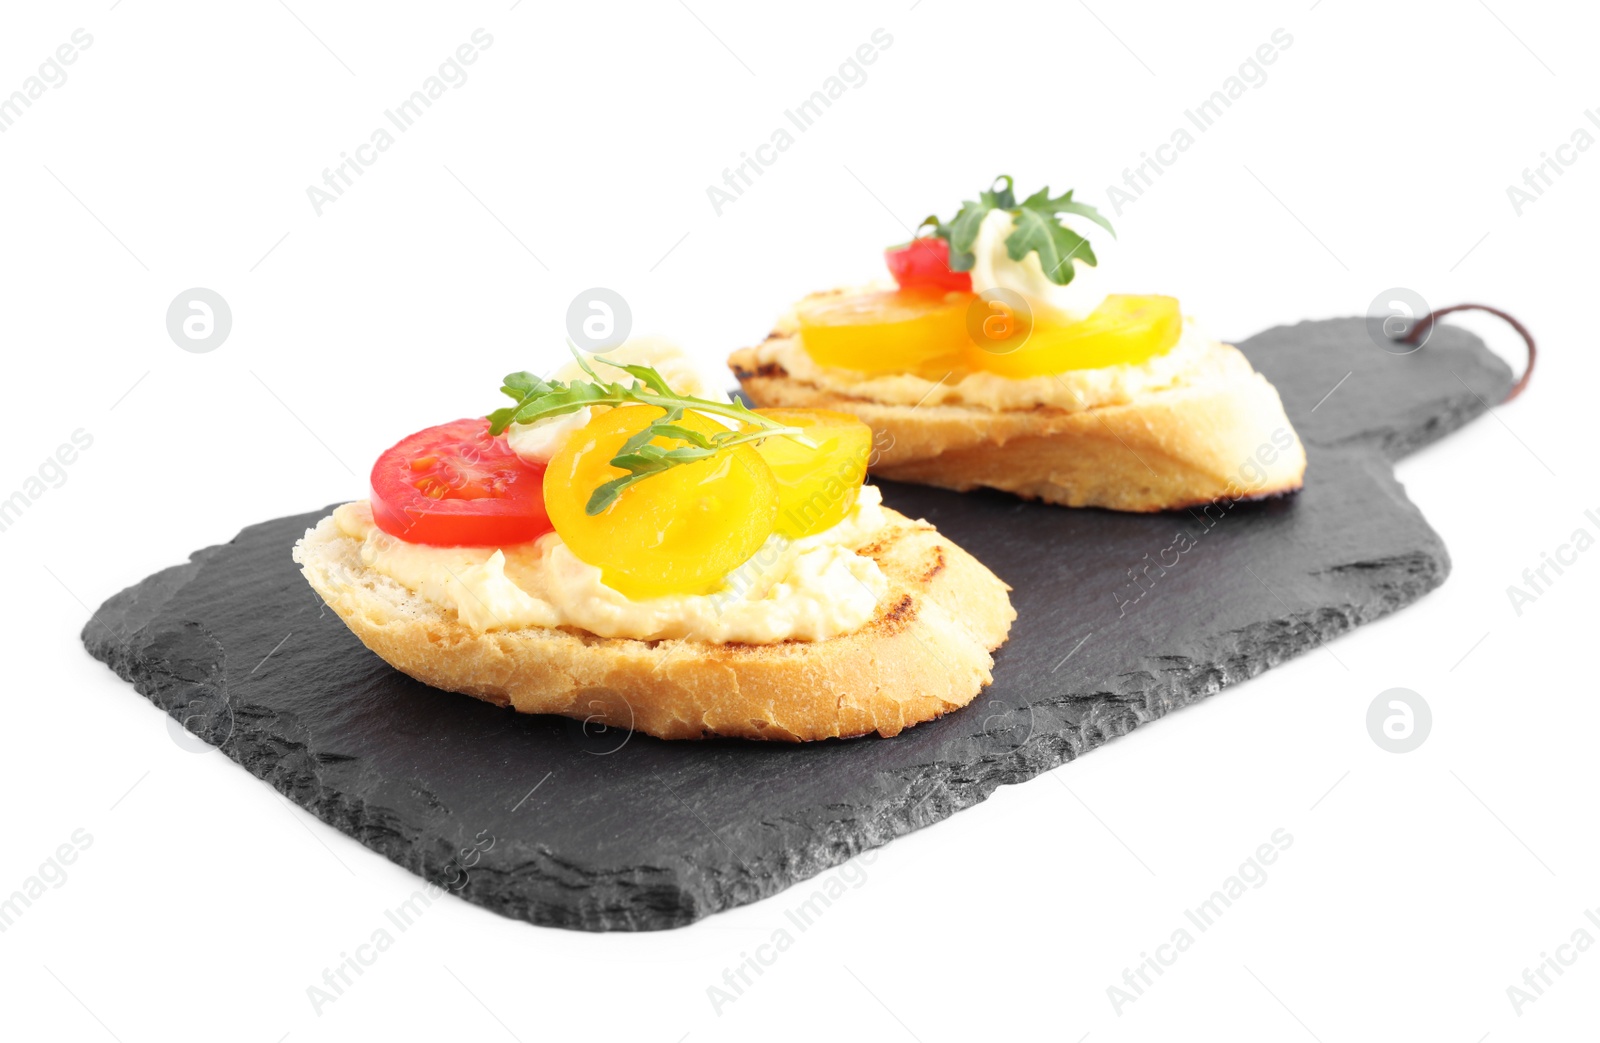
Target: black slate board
545 820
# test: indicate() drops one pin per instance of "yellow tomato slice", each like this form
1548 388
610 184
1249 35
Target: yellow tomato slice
1124 330
677 532
932 334
816 487
894 332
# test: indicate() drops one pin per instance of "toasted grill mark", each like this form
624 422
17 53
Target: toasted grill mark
937 566
873 550
903 612
765 369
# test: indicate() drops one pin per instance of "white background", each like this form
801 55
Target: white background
1376 154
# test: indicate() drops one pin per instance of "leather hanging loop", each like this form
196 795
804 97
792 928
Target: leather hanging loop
1426 323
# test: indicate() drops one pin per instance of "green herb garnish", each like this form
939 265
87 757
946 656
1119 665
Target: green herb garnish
539 399
1038 229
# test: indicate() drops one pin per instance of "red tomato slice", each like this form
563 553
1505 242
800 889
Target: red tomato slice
924 264
456 485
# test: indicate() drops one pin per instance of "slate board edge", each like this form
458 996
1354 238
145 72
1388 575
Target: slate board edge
1401 440
660 898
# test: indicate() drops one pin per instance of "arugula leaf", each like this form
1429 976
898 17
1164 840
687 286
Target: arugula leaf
1037 229
1004 199
1057 245
539 399
686 434
649 460
647 374
963 232
1063 204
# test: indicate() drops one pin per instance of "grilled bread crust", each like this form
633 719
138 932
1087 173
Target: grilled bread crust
924 653
1224 436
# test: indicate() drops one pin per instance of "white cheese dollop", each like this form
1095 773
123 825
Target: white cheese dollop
993 268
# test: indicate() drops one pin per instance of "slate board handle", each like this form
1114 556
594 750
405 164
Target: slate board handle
1421 329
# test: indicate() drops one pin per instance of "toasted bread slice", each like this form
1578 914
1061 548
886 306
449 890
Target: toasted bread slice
1217 432
924 653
